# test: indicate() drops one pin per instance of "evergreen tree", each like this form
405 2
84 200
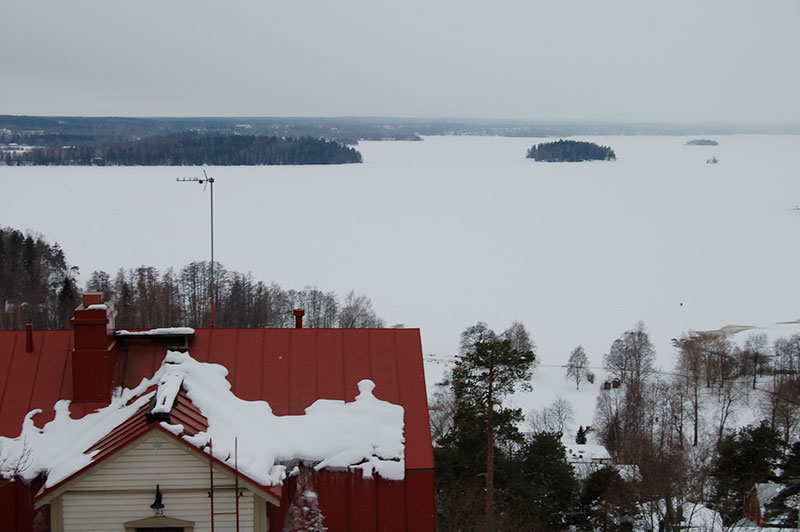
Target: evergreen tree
488 368
570 151
744 459
783 510
543 483
605 499
580 438
67 301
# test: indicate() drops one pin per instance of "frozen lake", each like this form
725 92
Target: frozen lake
454 230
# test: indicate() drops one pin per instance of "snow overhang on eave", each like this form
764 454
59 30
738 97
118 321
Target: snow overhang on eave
272 494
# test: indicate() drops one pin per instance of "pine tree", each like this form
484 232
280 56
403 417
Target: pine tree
488 368
544 482
742 460
783 509
580 438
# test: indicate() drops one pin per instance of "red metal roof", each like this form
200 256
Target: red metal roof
288 368
183 412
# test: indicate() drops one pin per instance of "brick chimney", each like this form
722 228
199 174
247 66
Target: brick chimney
94 355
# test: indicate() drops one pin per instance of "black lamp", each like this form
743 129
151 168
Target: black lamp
157 505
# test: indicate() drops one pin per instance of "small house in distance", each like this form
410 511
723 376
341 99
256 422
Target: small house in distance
759 497
239 429
586 458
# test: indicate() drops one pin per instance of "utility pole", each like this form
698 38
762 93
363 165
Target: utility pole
205 180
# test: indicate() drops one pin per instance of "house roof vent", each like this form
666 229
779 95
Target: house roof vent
298 317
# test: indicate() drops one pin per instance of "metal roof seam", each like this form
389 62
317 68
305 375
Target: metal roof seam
344 372
397 369
316 363
63 382
36 371
7 371
261 365
289 377
236 352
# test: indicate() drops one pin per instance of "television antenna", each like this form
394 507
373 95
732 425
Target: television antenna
205 181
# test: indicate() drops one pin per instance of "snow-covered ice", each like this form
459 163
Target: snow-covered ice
454 230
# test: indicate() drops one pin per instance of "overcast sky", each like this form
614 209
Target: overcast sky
626 60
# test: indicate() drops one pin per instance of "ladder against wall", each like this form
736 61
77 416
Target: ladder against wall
213 487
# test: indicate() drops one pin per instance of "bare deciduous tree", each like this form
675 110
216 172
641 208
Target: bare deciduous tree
754 356
631 356
780 405
442 408
787 356
691 368
552 418
357 312
520 339
729 397
577 366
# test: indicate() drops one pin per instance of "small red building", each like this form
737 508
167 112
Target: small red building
757 500
151 450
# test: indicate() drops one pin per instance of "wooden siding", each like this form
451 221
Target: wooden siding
106 511
123 488
154 459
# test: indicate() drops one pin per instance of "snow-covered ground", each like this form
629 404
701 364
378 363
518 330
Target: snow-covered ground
454 230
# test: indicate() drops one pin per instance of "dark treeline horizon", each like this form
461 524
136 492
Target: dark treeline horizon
38 286
56 131
185 149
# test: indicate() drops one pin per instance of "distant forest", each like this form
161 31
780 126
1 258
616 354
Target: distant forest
570 151
702 142
57 131
190 149
37 286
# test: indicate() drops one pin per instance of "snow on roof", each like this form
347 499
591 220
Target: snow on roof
767 491
162 331
588 452
57 449
700 517
743 523
696 517
585 458
366 434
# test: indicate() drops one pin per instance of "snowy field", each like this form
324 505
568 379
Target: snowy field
454 230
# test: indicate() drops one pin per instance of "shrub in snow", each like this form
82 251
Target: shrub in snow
303 514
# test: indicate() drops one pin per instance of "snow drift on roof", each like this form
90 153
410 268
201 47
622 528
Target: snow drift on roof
162 331
366 434
696 517
767 491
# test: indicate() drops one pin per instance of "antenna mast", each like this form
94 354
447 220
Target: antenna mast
205 180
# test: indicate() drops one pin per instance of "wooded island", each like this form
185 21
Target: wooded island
570 151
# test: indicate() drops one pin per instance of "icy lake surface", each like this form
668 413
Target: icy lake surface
454 230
